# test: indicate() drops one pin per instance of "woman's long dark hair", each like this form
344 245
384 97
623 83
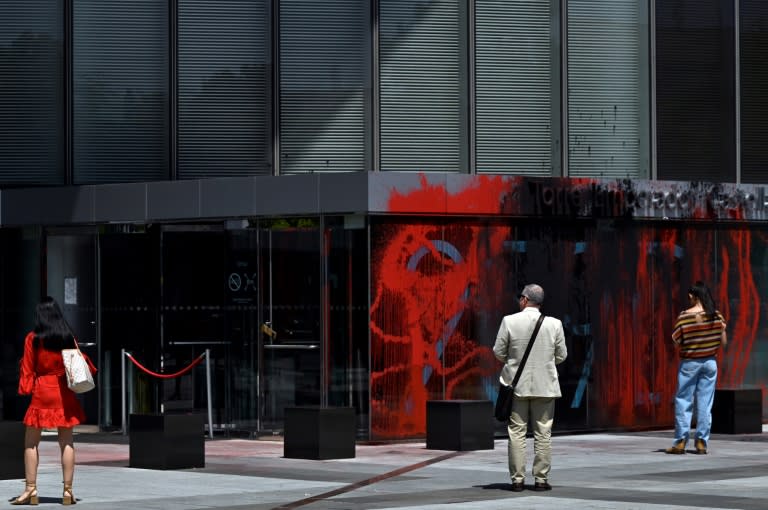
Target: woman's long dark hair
52 332
701 291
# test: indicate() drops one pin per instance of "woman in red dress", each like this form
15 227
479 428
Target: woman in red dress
53 404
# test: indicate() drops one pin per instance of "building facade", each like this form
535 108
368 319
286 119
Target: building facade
339 199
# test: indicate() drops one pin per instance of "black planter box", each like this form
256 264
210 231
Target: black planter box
319 433
738 411
12 448
460 425
167 441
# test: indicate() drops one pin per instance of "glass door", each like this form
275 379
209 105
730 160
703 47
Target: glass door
291 335
193 321
71 278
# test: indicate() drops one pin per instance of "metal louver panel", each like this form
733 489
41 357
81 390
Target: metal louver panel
31 92
608 89
422 90
754 82
120 61
695 85
224 81
324 85
517 87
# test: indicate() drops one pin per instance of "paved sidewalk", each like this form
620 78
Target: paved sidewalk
592 471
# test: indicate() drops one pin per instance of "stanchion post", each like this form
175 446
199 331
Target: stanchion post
122 388
208 387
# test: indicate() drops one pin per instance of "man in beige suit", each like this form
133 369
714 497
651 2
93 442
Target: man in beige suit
537 388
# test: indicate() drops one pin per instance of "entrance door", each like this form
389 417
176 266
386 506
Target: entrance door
72 269
291 334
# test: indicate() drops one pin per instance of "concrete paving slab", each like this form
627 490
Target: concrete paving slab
592 471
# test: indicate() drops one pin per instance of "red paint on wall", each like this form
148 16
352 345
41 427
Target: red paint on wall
483 195
426 278
440 289
743 320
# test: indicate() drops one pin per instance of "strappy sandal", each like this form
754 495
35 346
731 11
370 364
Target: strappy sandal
68 498
29 496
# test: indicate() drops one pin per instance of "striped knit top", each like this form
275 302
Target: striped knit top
698 335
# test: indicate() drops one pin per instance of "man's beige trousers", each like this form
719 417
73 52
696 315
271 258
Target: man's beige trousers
541 412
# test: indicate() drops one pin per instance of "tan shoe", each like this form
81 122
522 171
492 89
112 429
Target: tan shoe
676 449
701 447
68 498
29 496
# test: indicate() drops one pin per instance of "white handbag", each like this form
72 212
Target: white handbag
79 378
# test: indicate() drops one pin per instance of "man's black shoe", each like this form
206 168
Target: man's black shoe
542 486
517 486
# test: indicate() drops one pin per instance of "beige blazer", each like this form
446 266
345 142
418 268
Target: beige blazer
539 376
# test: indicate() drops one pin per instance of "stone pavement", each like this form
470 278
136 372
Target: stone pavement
590 471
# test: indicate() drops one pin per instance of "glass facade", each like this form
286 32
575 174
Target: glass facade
291 316
325 302
284 325
440 287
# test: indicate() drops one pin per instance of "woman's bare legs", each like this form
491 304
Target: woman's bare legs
67 445
31 461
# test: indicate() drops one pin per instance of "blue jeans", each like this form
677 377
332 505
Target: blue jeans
695 378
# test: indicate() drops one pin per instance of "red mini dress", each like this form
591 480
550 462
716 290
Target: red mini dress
53 404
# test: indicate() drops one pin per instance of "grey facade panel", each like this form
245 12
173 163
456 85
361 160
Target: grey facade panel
120 203
227 197
343 193
47 206
173 200
380 193
287 195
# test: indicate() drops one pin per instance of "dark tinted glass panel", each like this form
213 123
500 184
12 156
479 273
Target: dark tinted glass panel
224 82
753 45
31 92
129 291
20 259
695 90
120 91
193 319
347 317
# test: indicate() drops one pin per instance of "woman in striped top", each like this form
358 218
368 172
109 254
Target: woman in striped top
700 333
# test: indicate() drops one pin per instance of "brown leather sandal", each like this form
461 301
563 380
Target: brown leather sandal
29 496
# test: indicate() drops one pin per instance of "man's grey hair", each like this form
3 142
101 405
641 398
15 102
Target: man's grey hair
534 293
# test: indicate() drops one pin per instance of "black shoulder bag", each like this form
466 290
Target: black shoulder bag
503 408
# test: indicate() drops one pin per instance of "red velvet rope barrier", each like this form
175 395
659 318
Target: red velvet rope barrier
167 376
